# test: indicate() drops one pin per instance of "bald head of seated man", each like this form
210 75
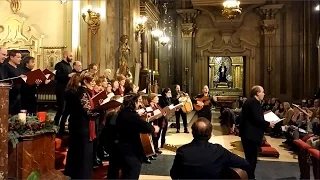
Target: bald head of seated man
201 159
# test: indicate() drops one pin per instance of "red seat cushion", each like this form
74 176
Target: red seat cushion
315 153
305 138
266 144
301 144
269 152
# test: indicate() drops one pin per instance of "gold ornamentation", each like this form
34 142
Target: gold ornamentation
93 20
269 23
15 6
231 9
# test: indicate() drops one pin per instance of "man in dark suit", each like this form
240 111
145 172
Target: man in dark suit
252 127
201 159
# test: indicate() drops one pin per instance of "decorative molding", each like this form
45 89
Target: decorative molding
188 30
151 11
15 6
188 15
188 26
17 33
269 22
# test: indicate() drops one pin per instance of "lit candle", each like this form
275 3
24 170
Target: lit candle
22 117
150 76
153 76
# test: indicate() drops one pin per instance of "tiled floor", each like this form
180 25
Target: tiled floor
230 142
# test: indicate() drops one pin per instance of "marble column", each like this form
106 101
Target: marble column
319 61
269 26
188 30
4 109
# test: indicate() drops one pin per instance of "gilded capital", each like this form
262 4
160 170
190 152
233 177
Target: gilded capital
269 23
188 30
188 16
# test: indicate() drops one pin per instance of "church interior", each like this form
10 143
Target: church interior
227 45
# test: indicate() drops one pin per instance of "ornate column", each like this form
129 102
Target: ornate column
269 26
318 61
144 51
188 30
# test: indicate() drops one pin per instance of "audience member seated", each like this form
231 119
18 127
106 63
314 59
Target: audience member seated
201 159
276 106
227 120
297 128
314 140
276 131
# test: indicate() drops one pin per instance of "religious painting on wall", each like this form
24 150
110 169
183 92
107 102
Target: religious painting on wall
51 56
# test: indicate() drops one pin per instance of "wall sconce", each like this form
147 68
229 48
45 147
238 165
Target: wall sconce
92 18
63 1
164 40
140 27
157 33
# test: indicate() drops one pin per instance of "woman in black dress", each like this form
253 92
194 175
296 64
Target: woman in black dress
129 151
164 101
82 131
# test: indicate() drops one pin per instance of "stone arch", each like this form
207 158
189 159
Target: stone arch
227 47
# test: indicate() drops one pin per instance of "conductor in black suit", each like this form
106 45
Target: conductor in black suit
201 159
252 127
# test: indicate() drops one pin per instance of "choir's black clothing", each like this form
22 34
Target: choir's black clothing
164 102
129 152
8 71
63 69
1 71
252 127
109 135
206 110
79 158
28 95
203 160
179 113
75 71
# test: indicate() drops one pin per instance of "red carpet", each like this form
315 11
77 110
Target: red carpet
61 154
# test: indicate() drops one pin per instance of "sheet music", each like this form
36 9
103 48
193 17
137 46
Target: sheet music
271 117
54 72
302 131
172 107
149 109
140 111
120 100
47 76
24 78
156 112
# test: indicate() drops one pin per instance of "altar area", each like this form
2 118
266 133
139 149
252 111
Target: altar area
226 78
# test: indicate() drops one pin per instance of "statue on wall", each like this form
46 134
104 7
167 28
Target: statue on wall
124 49
223 73
124 55
124 70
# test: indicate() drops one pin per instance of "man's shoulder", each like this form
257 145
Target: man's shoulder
193 145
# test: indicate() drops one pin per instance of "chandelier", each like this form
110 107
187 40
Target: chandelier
231 8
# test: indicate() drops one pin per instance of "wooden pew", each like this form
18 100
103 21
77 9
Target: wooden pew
303 158
227 101
46 96
315 158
